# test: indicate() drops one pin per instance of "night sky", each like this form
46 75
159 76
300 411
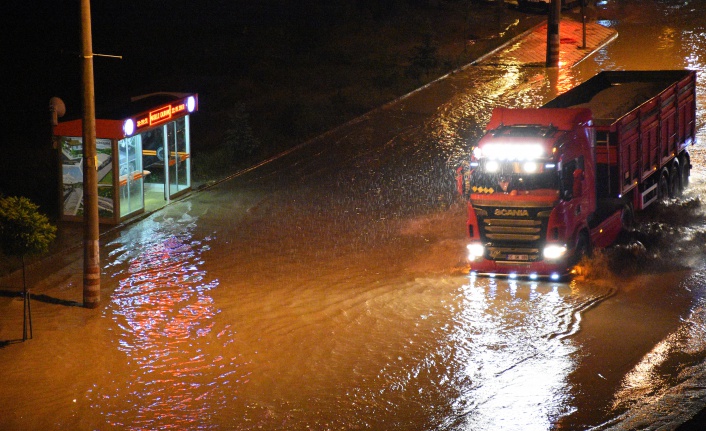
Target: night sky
42 45
164 45
167 45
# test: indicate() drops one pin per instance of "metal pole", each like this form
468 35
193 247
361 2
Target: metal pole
29 313
24 301
553 41
583 21
27 307
91 258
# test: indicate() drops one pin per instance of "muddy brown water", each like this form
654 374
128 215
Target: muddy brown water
326 290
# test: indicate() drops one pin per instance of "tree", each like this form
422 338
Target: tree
425 57
24 231
239 138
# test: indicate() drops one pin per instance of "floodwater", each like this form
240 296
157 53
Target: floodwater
326 289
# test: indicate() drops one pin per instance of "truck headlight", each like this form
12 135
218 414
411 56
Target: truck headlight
530 167
552 252
492 166
475 250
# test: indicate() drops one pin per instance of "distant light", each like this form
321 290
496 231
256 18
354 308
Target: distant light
554 276
550 166
129 127
191 103
491 275
533 276
512 275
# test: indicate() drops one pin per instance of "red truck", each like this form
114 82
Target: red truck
546 185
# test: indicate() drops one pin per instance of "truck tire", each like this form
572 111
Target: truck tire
583 248
685 171
627 217
663 187
674 182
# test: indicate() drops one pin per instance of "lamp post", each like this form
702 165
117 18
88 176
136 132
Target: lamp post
583 22
553 41
91 256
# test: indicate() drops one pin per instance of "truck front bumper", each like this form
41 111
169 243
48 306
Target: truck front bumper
542 270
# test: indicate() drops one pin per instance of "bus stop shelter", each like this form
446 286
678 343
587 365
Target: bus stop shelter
143 160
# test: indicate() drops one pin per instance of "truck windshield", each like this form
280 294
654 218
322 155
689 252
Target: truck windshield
508 176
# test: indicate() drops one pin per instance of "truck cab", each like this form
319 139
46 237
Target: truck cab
529 190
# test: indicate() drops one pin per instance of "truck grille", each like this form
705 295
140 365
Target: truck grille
512 229
512 238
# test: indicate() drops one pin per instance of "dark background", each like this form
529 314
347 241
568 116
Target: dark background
269 73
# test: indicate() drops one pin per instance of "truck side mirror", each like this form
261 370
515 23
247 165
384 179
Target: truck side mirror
578 183
463 178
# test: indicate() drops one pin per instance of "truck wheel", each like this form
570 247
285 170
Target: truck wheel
627 217
674 182
583 248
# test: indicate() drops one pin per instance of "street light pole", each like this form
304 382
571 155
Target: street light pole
553 40
583 21
91 257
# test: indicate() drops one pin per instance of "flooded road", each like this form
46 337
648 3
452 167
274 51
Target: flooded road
326 289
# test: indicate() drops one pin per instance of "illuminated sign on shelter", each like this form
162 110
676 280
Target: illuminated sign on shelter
163 114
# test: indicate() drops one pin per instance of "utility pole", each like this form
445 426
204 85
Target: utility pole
583 21
91 256
553 41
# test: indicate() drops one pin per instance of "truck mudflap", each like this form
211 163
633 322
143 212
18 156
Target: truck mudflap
606 233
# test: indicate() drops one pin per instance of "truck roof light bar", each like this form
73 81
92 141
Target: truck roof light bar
525 130
511 151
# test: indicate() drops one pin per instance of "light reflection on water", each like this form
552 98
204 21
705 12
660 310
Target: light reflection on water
511 352
164 317
666 385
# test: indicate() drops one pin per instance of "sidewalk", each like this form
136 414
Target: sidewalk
530 49
526 50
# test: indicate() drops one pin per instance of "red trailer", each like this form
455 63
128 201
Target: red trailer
644 123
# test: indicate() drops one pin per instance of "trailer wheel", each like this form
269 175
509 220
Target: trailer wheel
674 182
685 172
663 187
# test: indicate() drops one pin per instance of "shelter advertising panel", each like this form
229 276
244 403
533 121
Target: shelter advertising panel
72 177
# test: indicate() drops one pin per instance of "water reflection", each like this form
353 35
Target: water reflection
668 39
666 385
164 318
513 350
